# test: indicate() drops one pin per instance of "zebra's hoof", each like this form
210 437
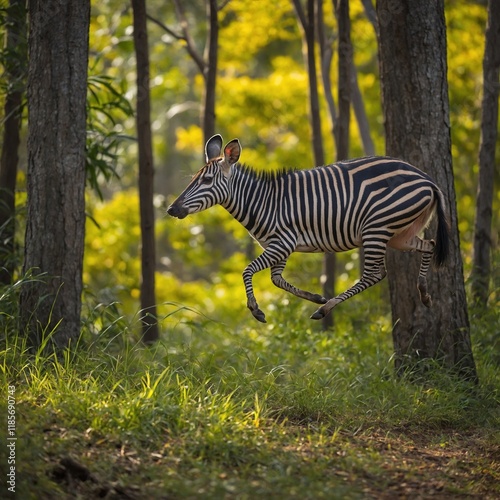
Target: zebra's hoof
426 300
319 299
259 316
319 314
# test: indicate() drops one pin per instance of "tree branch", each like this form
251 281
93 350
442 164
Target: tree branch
190 45
185 37
164 27
371 13
300 14
222 5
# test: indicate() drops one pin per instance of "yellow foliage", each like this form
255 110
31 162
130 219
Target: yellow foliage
112 246
248 27
189 139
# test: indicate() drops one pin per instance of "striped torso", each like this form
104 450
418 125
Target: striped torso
330 208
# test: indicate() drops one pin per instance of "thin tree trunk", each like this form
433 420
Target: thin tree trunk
348 86
15 69
210 71
309 37
412 53
326 55
371 13
146 176
489 133
308 28
50 303
345 67
359 110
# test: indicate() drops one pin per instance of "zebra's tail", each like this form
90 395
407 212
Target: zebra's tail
442 248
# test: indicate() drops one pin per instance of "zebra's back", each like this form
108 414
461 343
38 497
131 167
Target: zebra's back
333 207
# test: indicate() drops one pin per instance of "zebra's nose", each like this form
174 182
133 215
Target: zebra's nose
177 211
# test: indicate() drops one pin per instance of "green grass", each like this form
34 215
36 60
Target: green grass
277 411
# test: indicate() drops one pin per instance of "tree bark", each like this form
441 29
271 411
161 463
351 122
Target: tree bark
146 176
489 133
50 302
413 69
15 69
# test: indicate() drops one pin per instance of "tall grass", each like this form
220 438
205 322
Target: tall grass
209 399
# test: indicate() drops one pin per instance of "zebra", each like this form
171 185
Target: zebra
373 202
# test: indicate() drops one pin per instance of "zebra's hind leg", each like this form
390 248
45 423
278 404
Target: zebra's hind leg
280 282
425 297
426 247
425 263
373 272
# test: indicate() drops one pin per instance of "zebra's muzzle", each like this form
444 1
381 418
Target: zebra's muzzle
177 211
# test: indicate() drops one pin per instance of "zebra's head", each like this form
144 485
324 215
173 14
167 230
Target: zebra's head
210 185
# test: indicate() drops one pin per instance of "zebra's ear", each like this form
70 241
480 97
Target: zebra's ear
232 151
213 147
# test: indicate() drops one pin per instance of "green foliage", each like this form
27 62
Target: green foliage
107 107
13 56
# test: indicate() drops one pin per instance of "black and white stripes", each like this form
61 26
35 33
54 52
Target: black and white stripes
370 202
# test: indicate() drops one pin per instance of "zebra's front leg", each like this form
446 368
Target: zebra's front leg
274 253
280 282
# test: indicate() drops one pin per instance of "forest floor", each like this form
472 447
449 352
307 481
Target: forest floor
444 464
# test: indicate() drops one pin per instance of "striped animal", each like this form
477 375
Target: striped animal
372 202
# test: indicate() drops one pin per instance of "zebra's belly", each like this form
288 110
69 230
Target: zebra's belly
308 249
322 246
311 246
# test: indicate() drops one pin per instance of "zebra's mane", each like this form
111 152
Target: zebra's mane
265 175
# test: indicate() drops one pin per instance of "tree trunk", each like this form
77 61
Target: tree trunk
50 303
326 56
308 29
345 66
146 176
210 71
309 36
359 110
341 126
412 54
15 69
489 133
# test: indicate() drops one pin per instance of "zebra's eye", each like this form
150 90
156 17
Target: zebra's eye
207 179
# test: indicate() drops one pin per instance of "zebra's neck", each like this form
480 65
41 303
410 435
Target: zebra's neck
252 197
